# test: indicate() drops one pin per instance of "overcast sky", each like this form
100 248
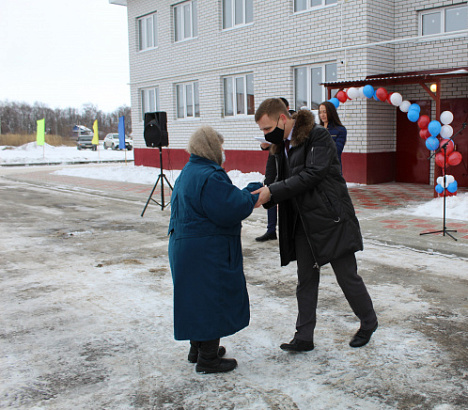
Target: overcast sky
64 53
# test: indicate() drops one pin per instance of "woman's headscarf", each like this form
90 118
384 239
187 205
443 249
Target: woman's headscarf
207 143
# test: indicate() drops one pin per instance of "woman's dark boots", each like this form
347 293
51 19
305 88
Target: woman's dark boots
193 353
210 362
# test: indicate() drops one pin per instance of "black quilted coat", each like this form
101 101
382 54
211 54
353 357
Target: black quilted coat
310 190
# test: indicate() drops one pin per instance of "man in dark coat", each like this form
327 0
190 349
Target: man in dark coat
317 222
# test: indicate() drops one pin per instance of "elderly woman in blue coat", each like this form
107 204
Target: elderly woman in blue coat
205 254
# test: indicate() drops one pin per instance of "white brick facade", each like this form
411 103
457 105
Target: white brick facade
364 37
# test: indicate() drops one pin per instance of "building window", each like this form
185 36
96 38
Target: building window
148 32
237 13
185 21
443 20
239 95
302 5
149 101
188 102
308 91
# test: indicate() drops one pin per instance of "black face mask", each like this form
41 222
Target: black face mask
275 136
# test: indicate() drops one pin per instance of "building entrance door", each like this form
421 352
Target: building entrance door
412 164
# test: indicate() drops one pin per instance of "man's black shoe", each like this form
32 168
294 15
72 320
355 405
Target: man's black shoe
297 345
266 237
362 337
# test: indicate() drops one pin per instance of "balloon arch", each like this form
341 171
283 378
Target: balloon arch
435 133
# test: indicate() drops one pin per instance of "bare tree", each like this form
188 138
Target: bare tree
20 118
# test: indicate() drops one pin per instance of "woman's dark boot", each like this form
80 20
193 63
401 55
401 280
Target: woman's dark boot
209 360
193 353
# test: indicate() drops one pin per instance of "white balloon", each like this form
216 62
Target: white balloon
353 93
450 179
361 92
446 131
396 99
444 182
404 106
446 117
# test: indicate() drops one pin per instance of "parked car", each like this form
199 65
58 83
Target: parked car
85 141
112 141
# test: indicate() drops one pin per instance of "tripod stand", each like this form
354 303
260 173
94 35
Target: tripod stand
444 230
161 178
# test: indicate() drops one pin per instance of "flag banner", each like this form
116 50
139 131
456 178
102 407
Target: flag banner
122 132
95 140
40 139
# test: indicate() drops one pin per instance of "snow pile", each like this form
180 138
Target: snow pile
32 154
457 206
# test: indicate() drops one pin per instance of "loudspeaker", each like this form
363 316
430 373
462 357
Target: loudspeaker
155 131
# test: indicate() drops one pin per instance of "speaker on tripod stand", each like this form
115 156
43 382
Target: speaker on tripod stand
156 135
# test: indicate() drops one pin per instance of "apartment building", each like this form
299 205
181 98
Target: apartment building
212 62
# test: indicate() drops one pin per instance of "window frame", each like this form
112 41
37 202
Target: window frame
249 108
309 68
195 100
442 11
144 100
233 23
142 27
310 7
193 20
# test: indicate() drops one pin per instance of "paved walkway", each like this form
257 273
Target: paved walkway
376 206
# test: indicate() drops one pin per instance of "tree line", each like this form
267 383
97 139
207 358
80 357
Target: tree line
20 118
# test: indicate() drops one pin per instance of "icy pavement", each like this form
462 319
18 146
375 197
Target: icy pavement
86 313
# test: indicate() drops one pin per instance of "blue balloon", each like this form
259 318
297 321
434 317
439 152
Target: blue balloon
415 107
375 96
368 91
432 143
434 128
452 187
439 189
413 115
335 101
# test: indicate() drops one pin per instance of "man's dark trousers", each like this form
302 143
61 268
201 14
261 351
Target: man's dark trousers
351 283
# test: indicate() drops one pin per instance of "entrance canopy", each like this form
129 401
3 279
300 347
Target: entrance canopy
412 77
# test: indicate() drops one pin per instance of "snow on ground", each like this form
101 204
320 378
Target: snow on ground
32 154
87 315
457 206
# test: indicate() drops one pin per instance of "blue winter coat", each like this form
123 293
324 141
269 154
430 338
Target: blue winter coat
338 133
205 254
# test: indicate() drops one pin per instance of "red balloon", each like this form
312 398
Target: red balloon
424 133
423 121
454 158
381 94
342 96
450 146
388 98
439 159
